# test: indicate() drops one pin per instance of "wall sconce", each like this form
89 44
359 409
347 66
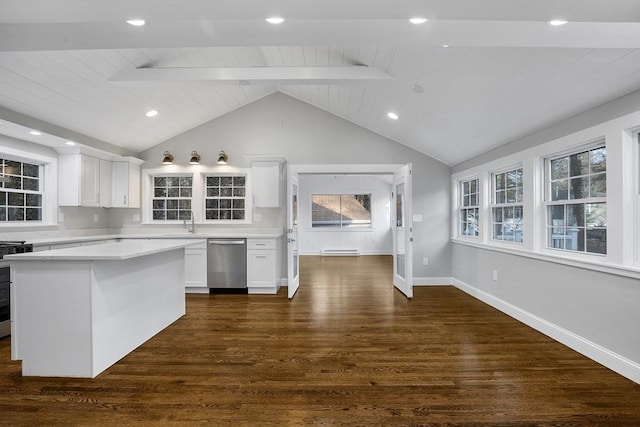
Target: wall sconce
222 158
195 158
168 158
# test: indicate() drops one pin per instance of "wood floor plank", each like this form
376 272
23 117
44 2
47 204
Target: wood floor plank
348 350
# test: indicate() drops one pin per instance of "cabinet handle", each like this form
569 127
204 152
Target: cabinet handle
261 256
124 200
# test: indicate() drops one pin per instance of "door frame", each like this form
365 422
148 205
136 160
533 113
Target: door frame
318 169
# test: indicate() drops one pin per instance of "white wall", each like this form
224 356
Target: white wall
306 135
374 240
594 312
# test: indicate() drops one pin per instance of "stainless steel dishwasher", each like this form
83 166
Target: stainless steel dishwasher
227 265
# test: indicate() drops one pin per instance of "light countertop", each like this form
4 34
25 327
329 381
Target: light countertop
238 233
122 250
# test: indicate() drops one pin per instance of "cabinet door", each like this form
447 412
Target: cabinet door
105 184
90 181
261 269
265 181
195 266
120 185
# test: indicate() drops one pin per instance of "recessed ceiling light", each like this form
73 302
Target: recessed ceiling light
152 113
136 22
275 20
445 46
70 143
557 22
417 88
417 20
35 132
392 115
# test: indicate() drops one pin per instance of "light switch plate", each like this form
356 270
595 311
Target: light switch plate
417 218
136 218
257 217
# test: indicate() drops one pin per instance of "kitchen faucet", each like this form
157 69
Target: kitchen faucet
191 230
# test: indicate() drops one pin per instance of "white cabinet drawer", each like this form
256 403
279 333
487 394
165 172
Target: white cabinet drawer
261 244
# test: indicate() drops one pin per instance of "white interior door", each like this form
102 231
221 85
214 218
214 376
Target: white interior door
293 262
402 230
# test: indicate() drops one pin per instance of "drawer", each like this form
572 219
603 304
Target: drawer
261 244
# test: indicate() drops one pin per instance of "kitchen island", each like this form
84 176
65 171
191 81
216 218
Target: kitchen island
77 311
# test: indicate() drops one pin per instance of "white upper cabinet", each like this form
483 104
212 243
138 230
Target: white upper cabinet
85 180
78 180
125 185
265 178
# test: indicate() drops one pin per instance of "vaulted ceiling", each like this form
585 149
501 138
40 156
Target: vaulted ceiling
507 72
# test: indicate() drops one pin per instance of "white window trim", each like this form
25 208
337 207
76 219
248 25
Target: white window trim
248 198
456 195
492 204
623 197
147 193
49 186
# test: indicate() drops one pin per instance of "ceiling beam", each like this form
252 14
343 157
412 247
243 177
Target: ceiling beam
251 75
338 32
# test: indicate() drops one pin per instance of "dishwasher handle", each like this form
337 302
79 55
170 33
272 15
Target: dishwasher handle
227 242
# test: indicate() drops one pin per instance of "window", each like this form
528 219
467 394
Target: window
576 202
172 198
341 210
469 208
507 211
225 198
20 191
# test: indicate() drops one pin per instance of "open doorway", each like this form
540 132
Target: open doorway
349 210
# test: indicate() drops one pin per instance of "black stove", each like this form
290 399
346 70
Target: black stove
14 247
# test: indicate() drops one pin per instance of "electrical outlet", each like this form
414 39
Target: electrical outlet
495 274
425 261
60 217
96 218
136 218
257 217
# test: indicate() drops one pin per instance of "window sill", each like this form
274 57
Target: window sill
342 230
595 264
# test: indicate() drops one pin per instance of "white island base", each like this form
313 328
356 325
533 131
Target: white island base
76 318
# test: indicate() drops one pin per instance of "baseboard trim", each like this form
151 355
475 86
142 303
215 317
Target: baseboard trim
617 363
432 281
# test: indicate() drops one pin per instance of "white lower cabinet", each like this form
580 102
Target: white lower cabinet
262 266
195 268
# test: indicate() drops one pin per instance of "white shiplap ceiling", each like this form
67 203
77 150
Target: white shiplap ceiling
506 74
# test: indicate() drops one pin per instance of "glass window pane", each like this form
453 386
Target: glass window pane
556 215
596 214
579 164
238 181
16 199
238 204
34 214
237 214
560 190
13 182
501 196
579 188
213 181
560 168
519 195
213 192
238 192
598 160
185 181
599 185
212 214
3 214
212 204
499 181
15 214
225 214
159 181
173 181
173 192
185 192
34 200
574 239
511 195
466 201
172 204
556 237
597 240
465 187
184 215
497 214
325 210
30 170
473 186
12 168
158 204
3 198
356 209
575 215
225 203
160 192
158 215
226 181
497 231
473 200
172 215
512 179
226 192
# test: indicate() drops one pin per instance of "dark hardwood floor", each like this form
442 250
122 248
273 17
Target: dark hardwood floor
348 350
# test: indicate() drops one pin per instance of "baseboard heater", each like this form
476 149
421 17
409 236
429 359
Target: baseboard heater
340 252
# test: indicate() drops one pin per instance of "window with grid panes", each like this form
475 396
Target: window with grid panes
576 201
507 208
172 198
225 197
20 191
469 208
